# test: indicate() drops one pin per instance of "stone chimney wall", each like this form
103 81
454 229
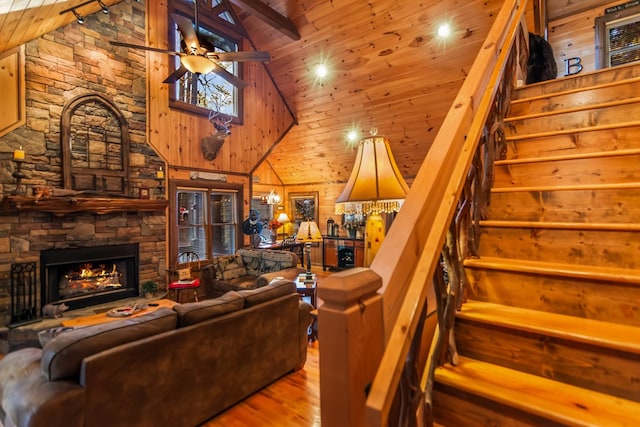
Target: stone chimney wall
61 65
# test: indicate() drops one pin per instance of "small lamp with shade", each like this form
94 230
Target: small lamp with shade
308 233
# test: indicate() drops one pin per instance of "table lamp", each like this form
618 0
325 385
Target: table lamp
374 186
308 233
283 218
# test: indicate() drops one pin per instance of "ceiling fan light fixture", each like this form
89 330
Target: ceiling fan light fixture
197 64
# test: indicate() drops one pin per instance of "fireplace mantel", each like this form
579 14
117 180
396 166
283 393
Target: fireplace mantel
62 205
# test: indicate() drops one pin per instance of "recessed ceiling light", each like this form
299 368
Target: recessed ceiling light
321 71
352 135
444 31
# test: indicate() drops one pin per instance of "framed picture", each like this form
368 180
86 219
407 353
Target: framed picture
303 207
144 193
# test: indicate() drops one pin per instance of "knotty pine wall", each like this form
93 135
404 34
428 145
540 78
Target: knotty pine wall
176 135
575 36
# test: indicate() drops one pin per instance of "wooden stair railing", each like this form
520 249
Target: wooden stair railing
455 176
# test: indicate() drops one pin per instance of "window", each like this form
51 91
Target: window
617 37
204 92
206 221
95 145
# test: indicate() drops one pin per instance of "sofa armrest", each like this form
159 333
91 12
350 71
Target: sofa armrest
304 321
290 273
35 401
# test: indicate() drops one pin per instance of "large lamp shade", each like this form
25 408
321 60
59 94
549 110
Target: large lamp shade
374 186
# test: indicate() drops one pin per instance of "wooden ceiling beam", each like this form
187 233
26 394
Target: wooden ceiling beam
270 16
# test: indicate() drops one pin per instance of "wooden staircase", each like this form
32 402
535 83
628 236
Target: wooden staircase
550 332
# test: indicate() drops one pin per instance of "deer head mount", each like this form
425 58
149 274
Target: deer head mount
210 145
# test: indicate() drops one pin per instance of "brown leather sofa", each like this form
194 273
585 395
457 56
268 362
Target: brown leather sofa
248 269
175 367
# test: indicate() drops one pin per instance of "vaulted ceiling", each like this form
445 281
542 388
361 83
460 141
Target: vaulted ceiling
388 70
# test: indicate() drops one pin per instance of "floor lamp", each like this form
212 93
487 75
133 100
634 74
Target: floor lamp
374 186
308 233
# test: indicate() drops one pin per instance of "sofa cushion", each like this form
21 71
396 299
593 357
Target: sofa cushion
273 290
195 312
62 356
229 267
252 259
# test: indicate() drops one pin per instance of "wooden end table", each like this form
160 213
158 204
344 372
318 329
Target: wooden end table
306 287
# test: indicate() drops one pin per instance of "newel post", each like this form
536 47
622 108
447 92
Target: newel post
352 342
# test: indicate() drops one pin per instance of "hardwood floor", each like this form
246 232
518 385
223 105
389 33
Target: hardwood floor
291 401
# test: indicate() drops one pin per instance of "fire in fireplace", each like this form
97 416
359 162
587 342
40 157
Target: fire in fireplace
81 277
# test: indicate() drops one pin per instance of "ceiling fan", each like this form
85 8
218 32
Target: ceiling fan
196 58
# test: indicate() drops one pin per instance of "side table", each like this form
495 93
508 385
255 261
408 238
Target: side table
307 288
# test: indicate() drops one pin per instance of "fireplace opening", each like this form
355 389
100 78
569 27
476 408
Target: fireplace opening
81 277
345 257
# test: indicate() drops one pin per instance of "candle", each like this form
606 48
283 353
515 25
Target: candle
18 154
160 173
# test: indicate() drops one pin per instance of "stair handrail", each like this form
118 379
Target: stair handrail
409 295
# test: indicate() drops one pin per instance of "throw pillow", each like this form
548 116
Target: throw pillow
275 260
48 334
229 267
252 259
17 365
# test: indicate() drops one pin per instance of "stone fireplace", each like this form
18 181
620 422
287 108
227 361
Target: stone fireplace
80 277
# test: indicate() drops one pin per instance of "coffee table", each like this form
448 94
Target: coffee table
96 319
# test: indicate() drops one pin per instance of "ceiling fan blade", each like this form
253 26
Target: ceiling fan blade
236 81
173 77
135 46
240 56
188 32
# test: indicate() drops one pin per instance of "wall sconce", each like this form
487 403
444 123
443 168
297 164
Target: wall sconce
18 159
160 179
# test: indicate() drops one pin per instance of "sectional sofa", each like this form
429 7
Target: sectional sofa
170 367
248 269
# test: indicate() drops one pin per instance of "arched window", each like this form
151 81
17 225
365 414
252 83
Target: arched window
95 146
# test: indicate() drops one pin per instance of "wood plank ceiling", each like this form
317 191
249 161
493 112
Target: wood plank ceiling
388 70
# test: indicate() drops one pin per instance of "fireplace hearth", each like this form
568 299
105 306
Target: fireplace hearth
81 277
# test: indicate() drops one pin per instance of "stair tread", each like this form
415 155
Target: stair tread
572 109
610 335
624 275
546 398
621 82
569 187
569 131
573 156
608 226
